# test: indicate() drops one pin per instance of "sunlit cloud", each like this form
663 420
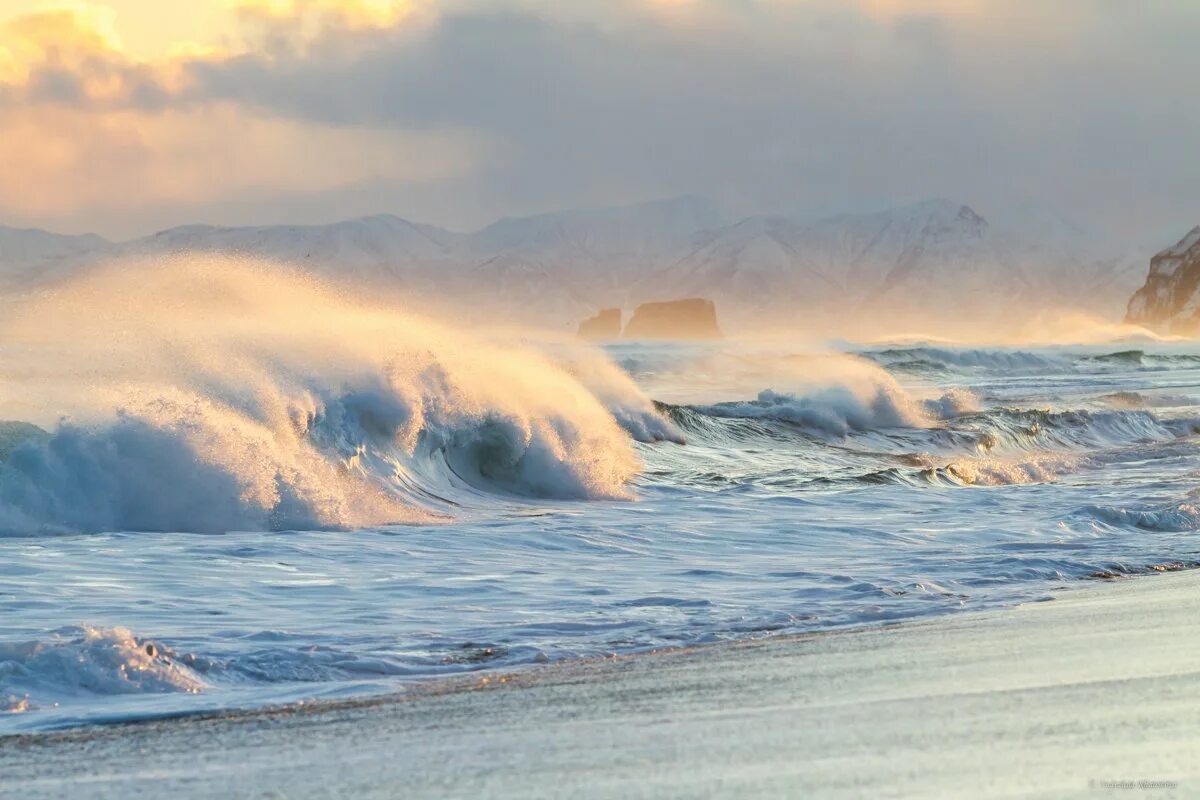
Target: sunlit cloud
352 14
88 124
129 159
71 51
64 36
764 104
71 54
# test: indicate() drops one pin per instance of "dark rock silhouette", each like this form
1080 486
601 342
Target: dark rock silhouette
1170 298
604 326
694 318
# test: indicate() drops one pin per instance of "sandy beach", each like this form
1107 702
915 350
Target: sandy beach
1095 692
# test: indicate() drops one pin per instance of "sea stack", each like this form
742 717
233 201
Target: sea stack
1169 301
691 319
603 327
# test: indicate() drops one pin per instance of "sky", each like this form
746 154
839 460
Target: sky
124 117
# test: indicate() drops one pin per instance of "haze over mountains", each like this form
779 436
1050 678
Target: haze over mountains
916 263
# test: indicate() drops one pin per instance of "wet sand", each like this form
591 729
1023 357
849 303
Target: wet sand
1093 694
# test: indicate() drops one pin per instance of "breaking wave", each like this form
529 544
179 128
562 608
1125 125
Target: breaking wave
947 441
979 471
939 357
835 396
837 410
953 421
1033 429
89 661
1141 359
225 396
1138 400
1172 518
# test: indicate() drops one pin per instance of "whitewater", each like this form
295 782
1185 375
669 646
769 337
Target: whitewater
226 485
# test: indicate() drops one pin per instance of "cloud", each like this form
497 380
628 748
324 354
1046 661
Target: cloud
70 54
92 132
768 104
129 160
319 15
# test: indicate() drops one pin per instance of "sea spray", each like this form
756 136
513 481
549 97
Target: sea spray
86 660
208 394
1000 495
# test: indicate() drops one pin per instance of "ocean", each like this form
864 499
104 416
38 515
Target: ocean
225 488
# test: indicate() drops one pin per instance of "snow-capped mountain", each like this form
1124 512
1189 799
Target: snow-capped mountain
595 255
644 230
841 260
924 261
919 262
381 248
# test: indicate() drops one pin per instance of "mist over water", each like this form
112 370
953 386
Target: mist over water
209 395
223 484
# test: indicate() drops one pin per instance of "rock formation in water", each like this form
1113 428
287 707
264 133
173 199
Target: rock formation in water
603 327
1170 299
694 318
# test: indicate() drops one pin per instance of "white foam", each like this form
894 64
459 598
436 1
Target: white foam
88 661
989 359
834 410
956 402
1169 519
210 395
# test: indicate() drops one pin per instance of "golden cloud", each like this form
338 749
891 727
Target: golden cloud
59 160
353 14
78 41
64 35
88 125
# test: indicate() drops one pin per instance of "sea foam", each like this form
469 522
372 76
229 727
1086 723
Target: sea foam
210 395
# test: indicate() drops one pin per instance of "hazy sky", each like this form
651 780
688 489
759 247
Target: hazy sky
126 116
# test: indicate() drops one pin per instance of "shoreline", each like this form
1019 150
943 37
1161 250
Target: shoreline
1078 695
526 674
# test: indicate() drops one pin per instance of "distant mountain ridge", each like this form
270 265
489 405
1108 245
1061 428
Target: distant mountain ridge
846 258
920 260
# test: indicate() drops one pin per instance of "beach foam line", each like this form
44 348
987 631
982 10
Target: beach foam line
1053 698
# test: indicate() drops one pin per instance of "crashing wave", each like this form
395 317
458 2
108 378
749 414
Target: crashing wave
837 410
954 403
88 660
997 360
842 409
1174 518
1140 360
1035 468
222 396
1031 429
1139 400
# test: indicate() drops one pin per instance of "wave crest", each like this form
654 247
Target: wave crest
222 395
836 410
89 660
1174 518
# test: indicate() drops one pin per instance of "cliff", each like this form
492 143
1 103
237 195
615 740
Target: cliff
694 318
1170 298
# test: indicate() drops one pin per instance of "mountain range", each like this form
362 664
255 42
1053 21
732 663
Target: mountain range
921 262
